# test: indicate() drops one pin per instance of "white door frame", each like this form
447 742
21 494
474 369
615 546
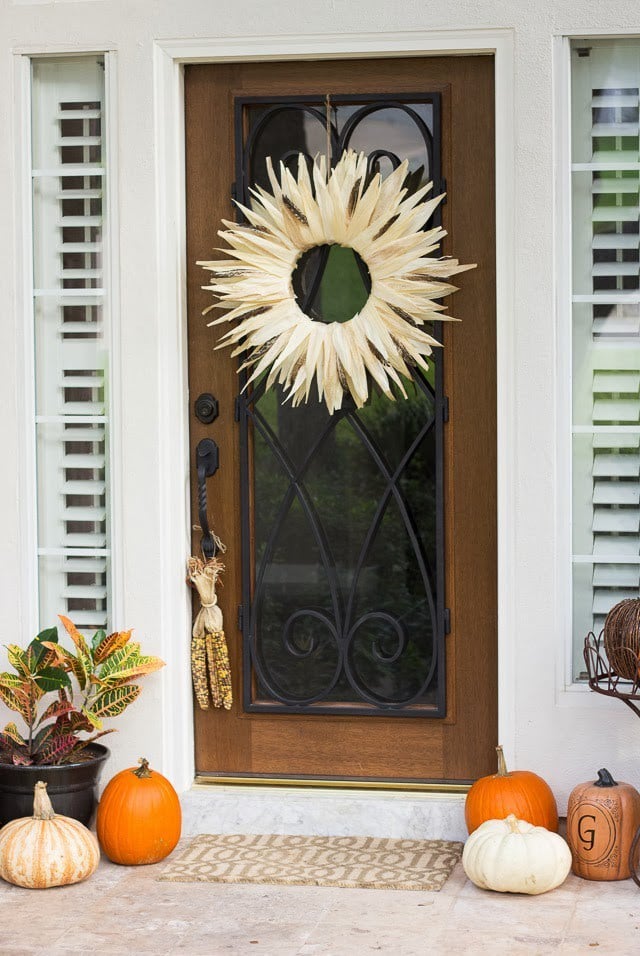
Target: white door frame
169 59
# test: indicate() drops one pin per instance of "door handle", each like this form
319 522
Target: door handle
207 463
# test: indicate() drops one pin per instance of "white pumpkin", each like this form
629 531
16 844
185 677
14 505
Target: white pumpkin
513 856
46 849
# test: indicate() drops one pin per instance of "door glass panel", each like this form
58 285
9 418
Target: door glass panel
342 514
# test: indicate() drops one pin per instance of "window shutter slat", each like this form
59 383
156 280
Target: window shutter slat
616 520
616 547
616 466
616 410
616 575
615 493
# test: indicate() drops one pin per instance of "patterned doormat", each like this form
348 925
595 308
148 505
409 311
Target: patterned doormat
365 862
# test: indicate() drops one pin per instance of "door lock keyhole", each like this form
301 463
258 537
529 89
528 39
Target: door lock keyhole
205 408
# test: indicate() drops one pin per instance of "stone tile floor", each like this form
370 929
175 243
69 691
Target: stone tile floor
125 910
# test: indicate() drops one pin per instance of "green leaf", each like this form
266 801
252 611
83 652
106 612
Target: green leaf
32 654
96 640
136 670
114 701
16 700
18 659
52 678
11 731
12 681
39 656
38 653
80 667
119 659
49 634
72 664
42 737
126 664
93 719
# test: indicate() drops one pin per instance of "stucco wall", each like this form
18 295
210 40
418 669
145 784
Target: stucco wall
564 737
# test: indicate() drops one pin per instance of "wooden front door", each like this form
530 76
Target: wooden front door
359 595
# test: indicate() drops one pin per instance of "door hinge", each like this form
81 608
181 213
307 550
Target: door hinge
445 408
240 617
447 621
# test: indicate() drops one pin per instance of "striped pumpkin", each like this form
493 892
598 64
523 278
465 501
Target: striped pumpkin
46 849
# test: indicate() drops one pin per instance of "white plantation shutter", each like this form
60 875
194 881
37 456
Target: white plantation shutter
71 344
606 331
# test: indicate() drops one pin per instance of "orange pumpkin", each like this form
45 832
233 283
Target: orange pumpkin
602 819
139 817
520 792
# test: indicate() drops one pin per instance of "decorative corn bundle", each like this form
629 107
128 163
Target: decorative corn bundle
209 654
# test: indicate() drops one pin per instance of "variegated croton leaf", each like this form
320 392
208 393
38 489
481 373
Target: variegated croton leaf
102 670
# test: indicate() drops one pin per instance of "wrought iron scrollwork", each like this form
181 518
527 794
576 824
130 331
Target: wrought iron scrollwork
356 644
342 132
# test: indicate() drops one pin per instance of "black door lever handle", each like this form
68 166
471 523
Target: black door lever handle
207 463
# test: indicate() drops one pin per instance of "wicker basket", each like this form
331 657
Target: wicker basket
622 638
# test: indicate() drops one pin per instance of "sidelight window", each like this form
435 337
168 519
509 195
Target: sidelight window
71 340
605 171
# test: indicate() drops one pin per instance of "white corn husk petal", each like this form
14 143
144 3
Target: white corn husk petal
384 225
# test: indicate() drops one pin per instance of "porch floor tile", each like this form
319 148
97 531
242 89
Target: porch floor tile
121 910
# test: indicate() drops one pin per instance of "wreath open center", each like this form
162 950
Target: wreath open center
331 283
384 341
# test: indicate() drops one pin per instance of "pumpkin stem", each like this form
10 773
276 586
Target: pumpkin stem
512 823
143 770
605 779
42 809
502 763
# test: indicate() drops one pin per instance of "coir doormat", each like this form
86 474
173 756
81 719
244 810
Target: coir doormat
361 862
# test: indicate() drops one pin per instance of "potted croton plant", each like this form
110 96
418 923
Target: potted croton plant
63 698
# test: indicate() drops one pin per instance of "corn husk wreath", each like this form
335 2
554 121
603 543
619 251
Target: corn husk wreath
209 654
380 221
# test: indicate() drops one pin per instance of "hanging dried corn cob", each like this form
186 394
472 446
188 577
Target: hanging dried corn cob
209 655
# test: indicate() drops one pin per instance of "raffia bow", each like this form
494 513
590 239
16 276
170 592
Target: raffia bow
209 654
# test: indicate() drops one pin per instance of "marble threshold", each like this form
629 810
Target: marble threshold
221 808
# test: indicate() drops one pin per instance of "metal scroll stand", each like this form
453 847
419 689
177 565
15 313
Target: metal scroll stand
207 463
604 681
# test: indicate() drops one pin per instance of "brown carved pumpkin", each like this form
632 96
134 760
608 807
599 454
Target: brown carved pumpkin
602 818
520 792
139 817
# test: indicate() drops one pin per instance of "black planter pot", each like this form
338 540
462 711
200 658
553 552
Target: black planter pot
71 787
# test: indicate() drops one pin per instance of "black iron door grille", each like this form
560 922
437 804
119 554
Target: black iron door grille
342 515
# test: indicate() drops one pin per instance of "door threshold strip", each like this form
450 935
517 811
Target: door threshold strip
452 788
